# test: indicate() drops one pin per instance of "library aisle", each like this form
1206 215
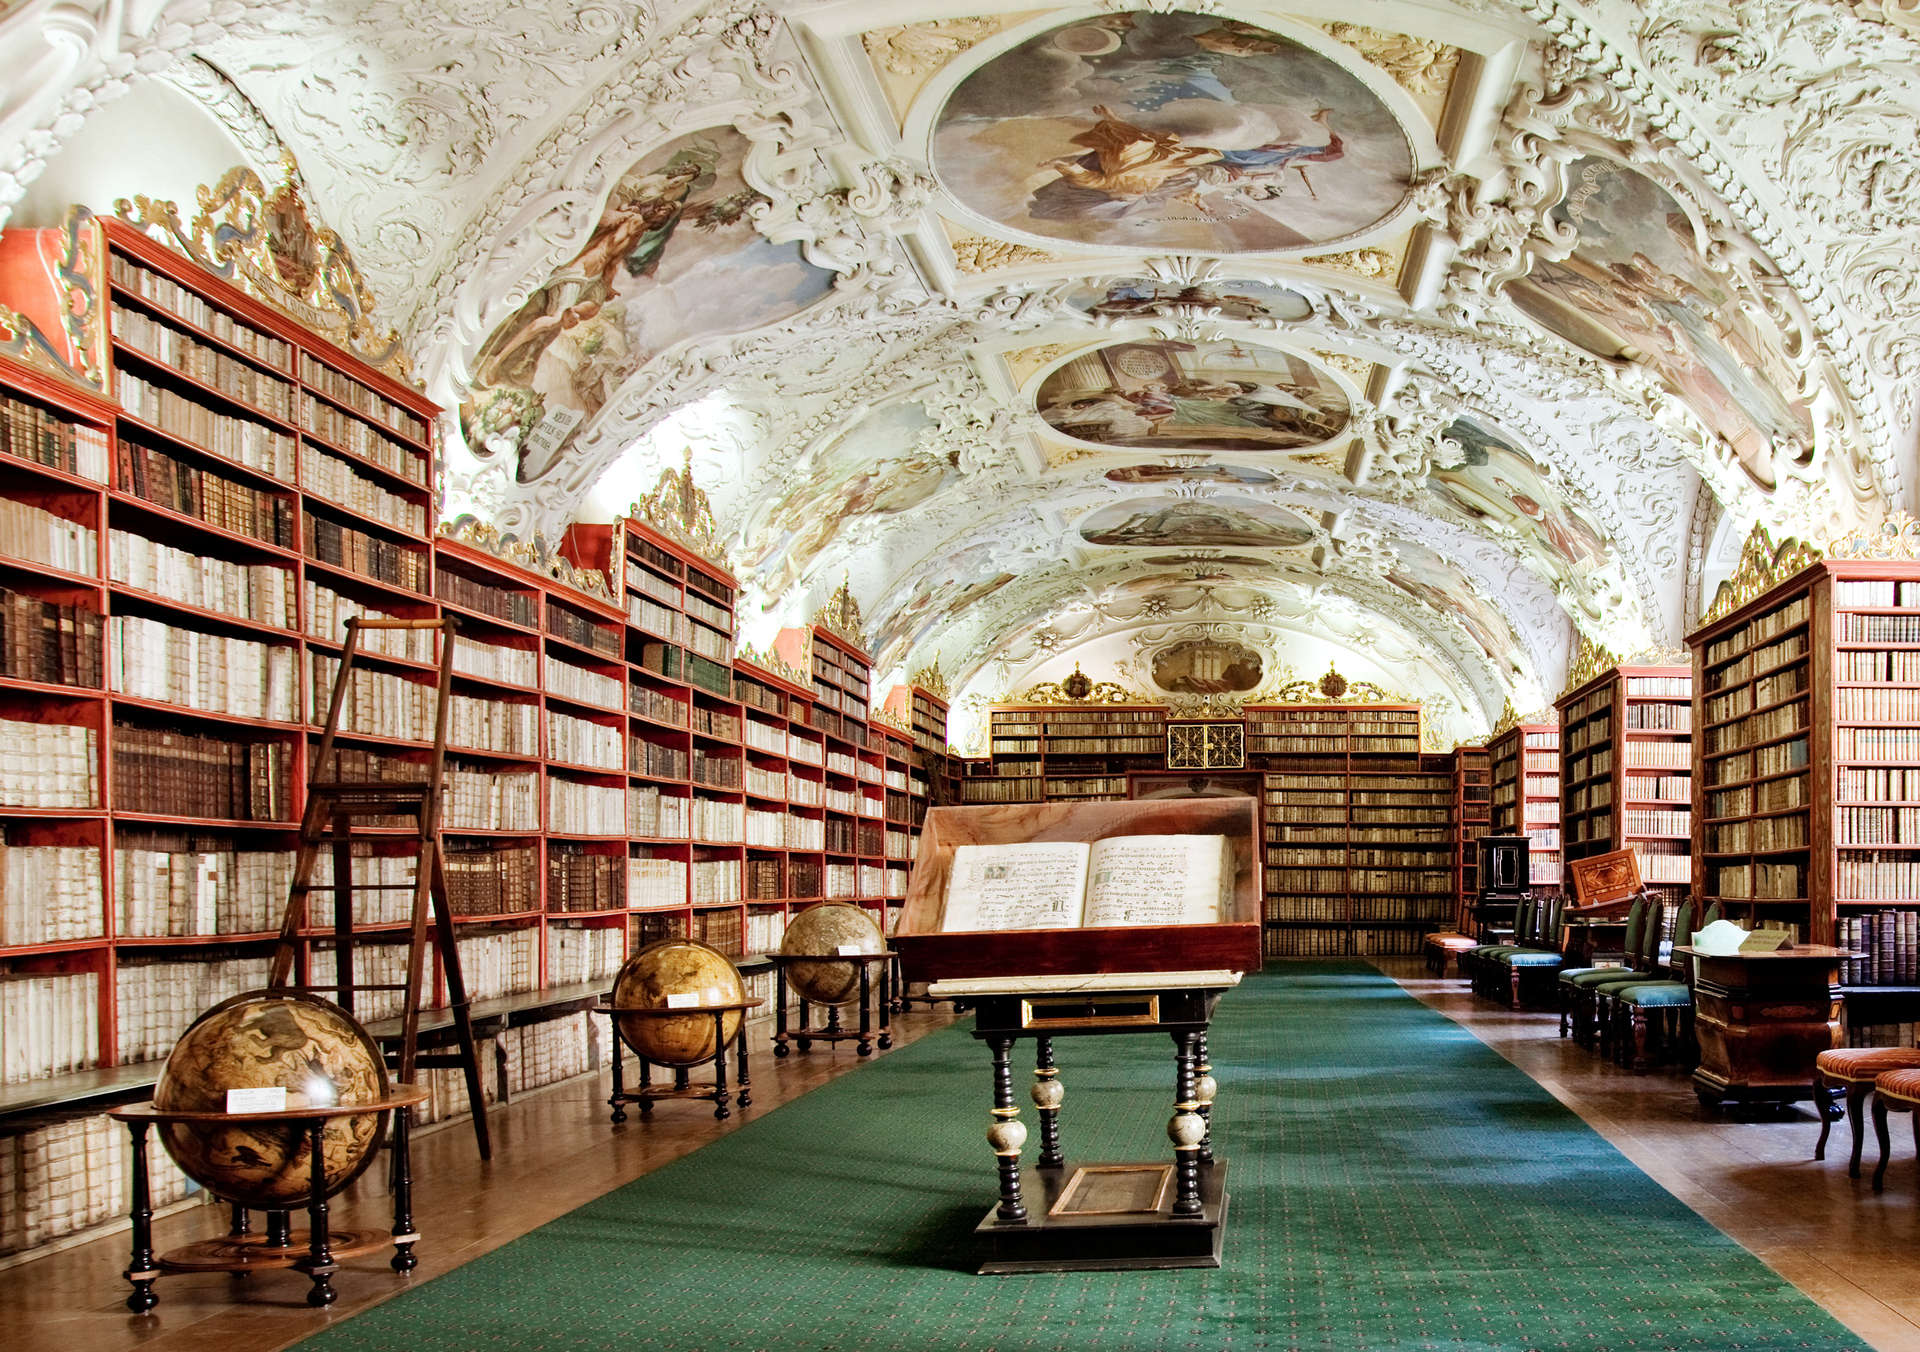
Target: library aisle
1396 1184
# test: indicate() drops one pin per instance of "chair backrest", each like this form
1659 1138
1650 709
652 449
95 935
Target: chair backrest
1713 914
1550 922
1650 936
1636 925
1682 931
1523 918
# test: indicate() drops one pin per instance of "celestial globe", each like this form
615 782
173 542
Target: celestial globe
308 1046
824 931
668 975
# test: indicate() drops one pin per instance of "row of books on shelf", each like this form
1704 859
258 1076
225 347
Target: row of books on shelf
1658 821
1759 833
1658 687
1762 761
1758 630
32 534
182 303
1659 717
392 562
1849 628
42 437
243 441
260 593
164 345
1890 939
1322 941
1868 665
49 642
49 1025
69 1177
1760 880
222 503
1779 721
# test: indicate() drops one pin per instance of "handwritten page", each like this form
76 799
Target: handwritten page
1159 880
1034 885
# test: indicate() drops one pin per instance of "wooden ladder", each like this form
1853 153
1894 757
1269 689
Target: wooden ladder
334 806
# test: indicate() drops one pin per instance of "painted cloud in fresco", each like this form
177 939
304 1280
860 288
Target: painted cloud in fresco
1636 288
1212 396
673 256
1139 297
1195 474
1439 584
1215 522
1172 131
1499 482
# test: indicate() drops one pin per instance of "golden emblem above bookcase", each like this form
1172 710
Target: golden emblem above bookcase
679 509
840 616
1079 688
932 680
264 241
1763 566
1511 718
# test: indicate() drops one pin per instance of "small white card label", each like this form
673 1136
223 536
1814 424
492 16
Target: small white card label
269 1100
683 1000
849 951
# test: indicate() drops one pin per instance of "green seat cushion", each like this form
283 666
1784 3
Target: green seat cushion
1567 974
1598 976
1532 957
1656 995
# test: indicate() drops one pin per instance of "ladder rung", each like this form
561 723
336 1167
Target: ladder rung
357 988
354 887
350 786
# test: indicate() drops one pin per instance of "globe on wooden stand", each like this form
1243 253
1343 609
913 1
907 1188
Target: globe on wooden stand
672 973
269 1039
825 931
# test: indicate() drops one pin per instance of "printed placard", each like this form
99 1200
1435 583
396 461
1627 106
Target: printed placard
268 1099
683 1000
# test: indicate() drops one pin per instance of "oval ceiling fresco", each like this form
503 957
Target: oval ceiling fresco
1174 523
1207 666
1140 297
1214 396
1194 474
1636 288
1172 131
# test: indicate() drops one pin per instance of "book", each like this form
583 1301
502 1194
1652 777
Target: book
1122 880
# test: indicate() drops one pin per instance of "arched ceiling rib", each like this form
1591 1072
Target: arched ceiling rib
1035 326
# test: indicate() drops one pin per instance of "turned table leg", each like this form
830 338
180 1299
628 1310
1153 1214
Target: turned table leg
745 1097
320 1263
720 1110
618 1100
1007 1134
1185 1129
887 1004
1205 1087
1048 1094
865 1045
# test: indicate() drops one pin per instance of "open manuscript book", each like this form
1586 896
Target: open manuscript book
1122 880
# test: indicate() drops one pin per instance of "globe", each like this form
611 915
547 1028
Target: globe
260 1040
666 975
824 930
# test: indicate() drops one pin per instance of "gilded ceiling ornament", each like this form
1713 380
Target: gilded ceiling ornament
1374 263
1358 369
536 555
678 508
923 48
1417 65
840 616
264 241
1079 688
1898 537
976 253
932 680
890 719
1660 655
1330 687
1592 659
1763 566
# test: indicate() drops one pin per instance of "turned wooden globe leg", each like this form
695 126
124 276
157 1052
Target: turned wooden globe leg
745 1096
1186 1128
887 1004
779 1014
1205 1088
720 1110
800 1038
279 1230
319 1264
239 1230
404 1236
1007 1134
1048 1094
618 1099
140 1264
865 1045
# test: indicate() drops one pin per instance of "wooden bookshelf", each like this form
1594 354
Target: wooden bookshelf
1807 762
1472 819
1524 776
1626 760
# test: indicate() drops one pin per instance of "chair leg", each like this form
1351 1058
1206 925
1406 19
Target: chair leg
1857 1095
1880 1130
1636 1047
1821 1104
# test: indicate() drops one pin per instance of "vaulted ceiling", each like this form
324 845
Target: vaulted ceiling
1424 338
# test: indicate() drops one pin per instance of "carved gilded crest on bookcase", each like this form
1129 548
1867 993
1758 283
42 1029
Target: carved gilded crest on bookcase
678 508
891 719
535 555
1331 687
60 332
1763 566
1079 688
840 616
932 680
1898 537
1511 718
264 241
772 663
1592 659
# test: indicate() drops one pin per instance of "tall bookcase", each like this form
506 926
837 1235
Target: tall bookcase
1524 774
1807 760
1626 764
1055 753
1472 819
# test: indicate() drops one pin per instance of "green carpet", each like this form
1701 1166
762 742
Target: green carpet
1375 1205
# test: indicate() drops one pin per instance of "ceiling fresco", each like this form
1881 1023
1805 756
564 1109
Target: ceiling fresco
1216 396
1172 132
1429 345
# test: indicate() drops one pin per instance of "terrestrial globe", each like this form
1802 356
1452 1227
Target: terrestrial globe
696 974
823 931
308 1046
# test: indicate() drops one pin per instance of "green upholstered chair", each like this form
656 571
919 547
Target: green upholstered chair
1576 1012
1643 966
1654 1015
1528 969
1475 962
